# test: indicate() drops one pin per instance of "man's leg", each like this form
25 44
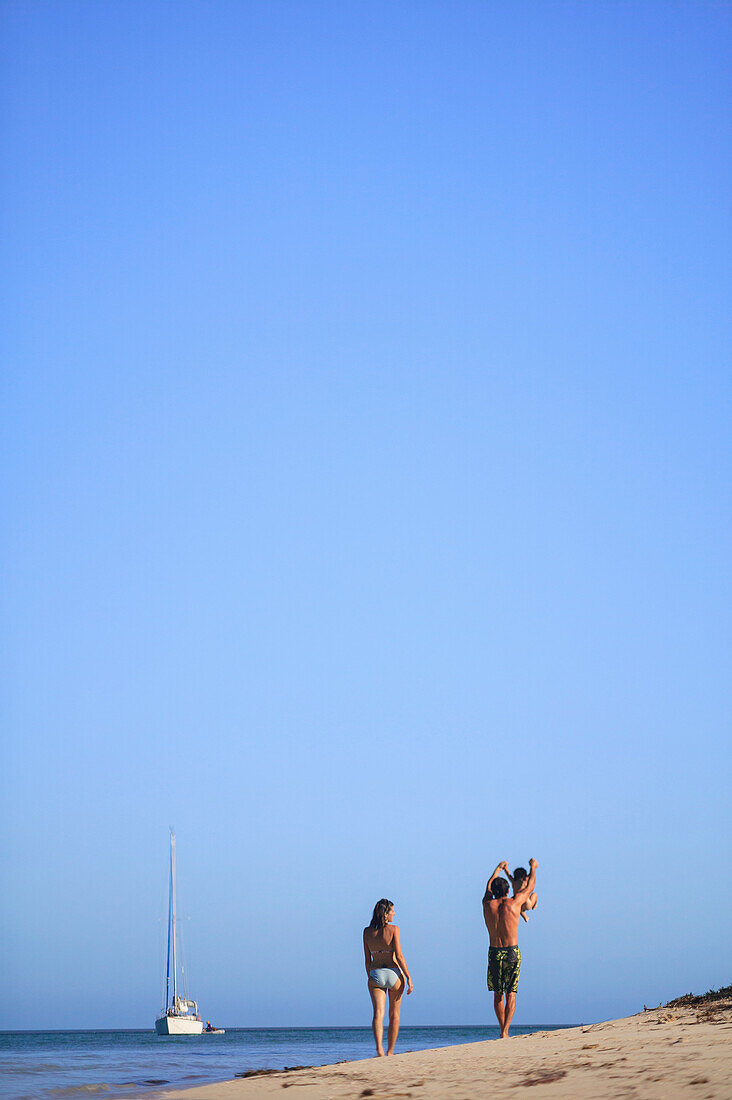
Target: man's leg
508 1014
395 1005
498 1006
378 1000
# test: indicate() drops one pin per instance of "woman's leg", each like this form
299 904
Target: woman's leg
395 1004
378 1000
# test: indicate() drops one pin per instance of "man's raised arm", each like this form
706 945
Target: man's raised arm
502 866
522 895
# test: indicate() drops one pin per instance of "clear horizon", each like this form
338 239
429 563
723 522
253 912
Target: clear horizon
366 439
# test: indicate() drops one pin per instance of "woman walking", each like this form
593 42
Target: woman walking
387 972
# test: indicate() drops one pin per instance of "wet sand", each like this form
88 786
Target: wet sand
658 1054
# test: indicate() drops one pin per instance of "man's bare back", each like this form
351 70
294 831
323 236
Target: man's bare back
501 915
501 919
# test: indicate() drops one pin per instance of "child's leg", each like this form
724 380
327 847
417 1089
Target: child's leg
530 903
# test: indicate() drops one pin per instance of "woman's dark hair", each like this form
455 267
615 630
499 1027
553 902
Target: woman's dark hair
381 908
521 873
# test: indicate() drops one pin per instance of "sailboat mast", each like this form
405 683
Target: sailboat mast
172 886
170 910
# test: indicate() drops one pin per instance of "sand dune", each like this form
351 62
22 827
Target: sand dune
677 1051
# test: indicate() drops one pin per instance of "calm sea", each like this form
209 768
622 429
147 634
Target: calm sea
50 1065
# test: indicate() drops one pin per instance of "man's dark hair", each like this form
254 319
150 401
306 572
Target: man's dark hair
500 887
521 872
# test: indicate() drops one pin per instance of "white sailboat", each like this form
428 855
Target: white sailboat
179 1015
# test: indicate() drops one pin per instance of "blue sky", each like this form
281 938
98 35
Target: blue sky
366 481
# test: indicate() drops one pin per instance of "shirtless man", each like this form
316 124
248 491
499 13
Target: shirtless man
501 914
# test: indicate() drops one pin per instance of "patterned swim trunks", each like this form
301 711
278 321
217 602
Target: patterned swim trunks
504 964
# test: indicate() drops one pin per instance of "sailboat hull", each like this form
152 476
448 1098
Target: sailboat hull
178 1025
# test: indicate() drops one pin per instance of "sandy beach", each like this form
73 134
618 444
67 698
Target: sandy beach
675 1051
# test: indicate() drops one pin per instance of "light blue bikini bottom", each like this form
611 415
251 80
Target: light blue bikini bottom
384 977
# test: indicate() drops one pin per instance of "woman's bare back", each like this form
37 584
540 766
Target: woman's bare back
380 943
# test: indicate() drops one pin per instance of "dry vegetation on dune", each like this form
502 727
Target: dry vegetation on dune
712 1007
693 1000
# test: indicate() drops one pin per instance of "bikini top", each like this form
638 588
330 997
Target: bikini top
381 950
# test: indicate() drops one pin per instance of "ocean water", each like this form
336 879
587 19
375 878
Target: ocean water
53 1065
